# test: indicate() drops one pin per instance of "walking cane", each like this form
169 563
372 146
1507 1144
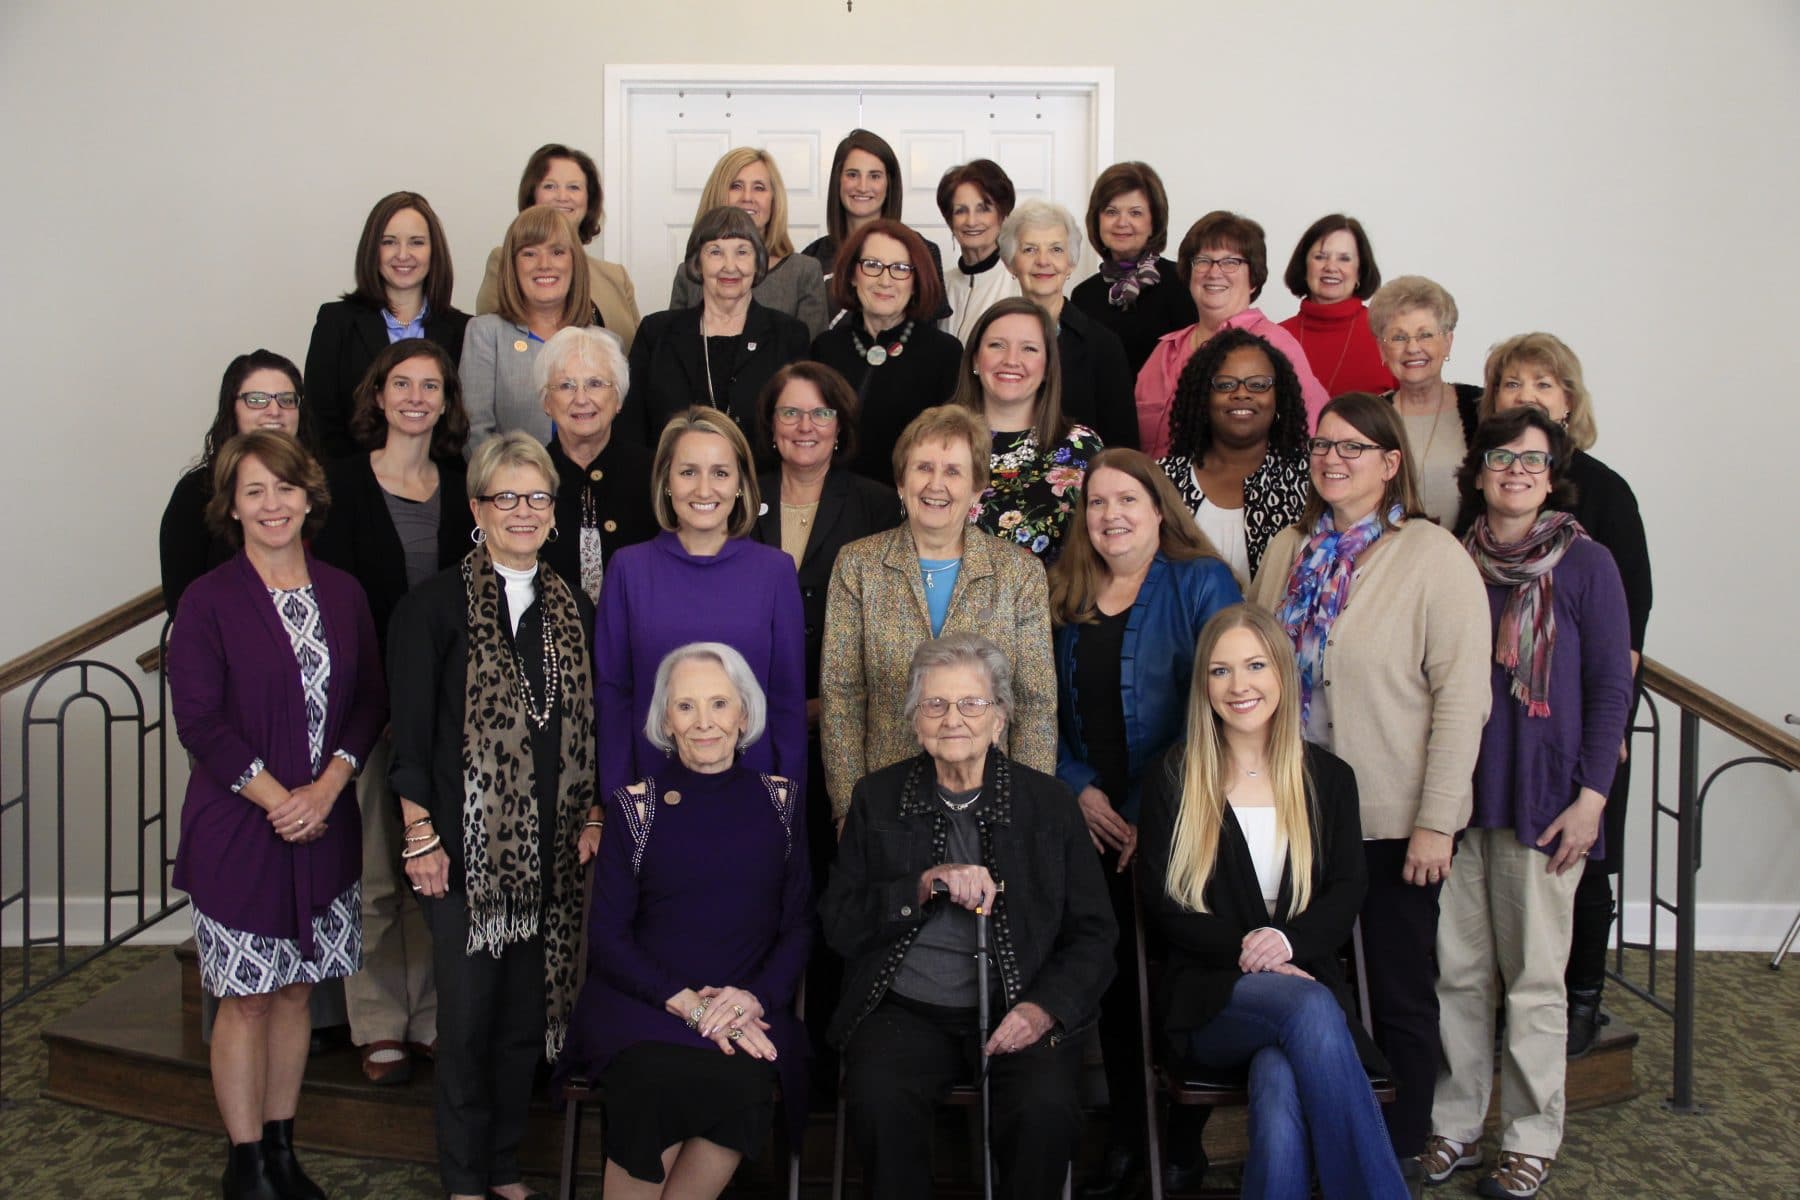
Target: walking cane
981 1032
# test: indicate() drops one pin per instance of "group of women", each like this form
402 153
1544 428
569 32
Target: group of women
844 593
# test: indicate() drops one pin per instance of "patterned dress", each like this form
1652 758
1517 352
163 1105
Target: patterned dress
1031 493
232 961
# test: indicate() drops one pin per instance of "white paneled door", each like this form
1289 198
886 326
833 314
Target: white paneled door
667 125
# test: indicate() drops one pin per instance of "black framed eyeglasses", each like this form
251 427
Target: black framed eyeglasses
969 706
1231 264
1230 383
873 267
260 400
1535 462
507 501
1347 448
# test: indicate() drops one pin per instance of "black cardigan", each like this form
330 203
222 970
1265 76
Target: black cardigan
1053 929
850 507
1608 509
1203 948
1096 380
668 369
346 337
359 534
186 548
1159 310
921 376
428 662
619 478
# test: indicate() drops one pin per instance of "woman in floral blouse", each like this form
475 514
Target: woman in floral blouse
1010 376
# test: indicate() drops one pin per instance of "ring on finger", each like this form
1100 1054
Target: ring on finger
735 1034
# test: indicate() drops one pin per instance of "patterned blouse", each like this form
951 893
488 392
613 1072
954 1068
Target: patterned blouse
1274 495
1031 494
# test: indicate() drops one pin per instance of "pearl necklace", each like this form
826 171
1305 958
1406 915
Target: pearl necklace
539 716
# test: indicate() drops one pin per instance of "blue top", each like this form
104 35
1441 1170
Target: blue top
1155 671
1531 768
939 576
414 328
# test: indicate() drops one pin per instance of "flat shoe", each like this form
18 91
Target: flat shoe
395 1071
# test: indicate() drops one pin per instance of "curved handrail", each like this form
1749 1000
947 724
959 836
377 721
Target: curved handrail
102 629
1721 713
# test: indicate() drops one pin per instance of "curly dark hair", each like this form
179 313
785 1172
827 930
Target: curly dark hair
1190 417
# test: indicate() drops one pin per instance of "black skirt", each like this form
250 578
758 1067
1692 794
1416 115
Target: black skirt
657 1094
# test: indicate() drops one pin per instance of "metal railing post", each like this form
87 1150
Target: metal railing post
1687 832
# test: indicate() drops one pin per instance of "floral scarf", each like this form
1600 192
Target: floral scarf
1527 634
1129 278
1319 585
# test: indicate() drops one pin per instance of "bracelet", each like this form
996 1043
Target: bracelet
693 1021
593 824
427 848
412 825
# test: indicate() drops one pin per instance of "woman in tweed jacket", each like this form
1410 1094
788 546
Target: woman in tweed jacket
932 575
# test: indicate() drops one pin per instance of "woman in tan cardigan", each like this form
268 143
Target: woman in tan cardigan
934 574
1390 623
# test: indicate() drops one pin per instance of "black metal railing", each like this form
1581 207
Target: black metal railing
93 718
1695 706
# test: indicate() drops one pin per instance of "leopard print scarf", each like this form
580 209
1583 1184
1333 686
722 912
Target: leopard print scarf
501 839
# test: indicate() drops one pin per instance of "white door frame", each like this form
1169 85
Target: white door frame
624 80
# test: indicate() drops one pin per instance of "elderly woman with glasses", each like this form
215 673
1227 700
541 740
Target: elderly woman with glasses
1224 262
927 841
1561 682
1414 320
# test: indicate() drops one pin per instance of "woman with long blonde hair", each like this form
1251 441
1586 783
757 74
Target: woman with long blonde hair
1253 873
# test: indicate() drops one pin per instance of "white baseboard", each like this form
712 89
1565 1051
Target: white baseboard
87 927
1717 926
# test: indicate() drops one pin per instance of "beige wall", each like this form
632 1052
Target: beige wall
183 181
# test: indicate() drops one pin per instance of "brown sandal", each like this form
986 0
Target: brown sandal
1444 1158
1515 1177
393 1071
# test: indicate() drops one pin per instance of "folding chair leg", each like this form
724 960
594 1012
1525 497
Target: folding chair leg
1069 1182
571 1149
837 1146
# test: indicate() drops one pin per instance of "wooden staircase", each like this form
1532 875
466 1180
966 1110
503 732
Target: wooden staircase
135 1050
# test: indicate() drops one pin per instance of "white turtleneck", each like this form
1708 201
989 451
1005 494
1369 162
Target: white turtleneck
521 590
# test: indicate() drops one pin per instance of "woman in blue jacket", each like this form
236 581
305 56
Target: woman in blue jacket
1135 583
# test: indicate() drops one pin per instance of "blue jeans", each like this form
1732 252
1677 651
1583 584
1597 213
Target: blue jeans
1310 1102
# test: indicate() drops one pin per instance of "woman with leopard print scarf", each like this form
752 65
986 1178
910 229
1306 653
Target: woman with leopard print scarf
494 765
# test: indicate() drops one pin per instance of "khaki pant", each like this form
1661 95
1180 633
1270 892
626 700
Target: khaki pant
1501 909
393 998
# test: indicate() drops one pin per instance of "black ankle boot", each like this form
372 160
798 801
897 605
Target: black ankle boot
280 1166
244 1179
1120 1177
1585 1020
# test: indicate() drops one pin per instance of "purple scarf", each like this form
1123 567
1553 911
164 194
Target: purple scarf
1317 588
1128 278
1527 635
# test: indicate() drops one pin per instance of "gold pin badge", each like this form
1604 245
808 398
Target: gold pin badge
671 797
520 345
596 474
611 526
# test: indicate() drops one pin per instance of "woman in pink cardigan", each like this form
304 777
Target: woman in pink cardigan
1224 261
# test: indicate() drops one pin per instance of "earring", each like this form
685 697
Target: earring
478 535
553 534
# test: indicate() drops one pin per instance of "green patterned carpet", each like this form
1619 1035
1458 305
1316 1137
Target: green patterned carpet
1745 1145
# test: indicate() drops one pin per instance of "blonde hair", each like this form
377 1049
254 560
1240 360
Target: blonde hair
717 193
541 225
700 419
948 423
1550 352
1405 294
1194 850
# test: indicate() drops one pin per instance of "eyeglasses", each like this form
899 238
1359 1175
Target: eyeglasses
1347 448
1230 264
1535 462
787 414
260 400
969 706
507 501
1401 341
568 389
873 267
1231 383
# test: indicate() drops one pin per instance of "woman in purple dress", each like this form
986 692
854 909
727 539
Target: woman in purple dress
702 579
698 937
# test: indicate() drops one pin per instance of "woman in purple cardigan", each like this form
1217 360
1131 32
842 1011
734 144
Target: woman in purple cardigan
1561 689
279 696
702 579
698 937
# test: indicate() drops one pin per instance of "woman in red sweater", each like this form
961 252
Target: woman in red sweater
1333 272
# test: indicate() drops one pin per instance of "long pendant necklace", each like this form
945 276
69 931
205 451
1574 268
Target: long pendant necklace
1331 381
539 717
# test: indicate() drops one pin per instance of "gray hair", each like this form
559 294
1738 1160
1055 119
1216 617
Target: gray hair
515 449
743 681
581 344
1406 293
1039 214
960 650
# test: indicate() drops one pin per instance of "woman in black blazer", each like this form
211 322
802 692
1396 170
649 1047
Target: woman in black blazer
398 516
1253 873
720 352
403 281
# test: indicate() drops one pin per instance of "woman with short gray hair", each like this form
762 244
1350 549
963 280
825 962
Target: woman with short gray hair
1414 321
583 379
700 928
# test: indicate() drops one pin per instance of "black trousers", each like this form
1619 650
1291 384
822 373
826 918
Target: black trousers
490 1040
1594 907
1399 928
1120 1044
902 1060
